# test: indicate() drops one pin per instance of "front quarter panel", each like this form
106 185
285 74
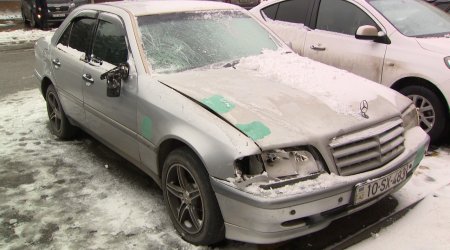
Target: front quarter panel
165 114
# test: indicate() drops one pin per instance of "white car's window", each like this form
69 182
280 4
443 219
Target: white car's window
293 11
341 17
109 44
414 18
180 41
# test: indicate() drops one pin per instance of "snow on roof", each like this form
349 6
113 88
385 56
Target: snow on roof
141 8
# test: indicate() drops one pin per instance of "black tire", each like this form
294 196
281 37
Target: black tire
432 112
189 197
33 23
24 18
59 124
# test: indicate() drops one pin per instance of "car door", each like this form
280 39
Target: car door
68 59
113 119
289 20
333 40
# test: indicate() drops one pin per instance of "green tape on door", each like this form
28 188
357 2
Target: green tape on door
219 104
146 127
255 130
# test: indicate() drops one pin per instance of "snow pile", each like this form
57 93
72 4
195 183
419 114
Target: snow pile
60 193
322 81
23 36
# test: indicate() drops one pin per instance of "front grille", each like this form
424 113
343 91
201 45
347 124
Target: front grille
58 8
368 149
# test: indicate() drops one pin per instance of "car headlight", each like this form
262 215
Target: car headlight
280 164
447 61
410 117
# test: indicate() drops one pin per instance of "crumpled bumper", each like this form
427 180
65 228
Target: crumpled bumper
258 219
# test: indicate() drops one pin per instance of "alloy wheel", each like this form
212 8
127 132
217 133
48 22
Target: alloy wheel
427 116
184 199
54 112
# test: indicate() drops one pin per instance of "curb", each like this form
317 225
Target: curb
17 46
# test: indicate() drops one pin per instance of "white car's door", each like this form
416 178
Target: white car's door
112 118
333 40
289 20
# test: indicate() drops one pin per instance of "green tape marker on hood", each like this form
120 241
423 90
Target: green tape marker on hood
219 104
255 130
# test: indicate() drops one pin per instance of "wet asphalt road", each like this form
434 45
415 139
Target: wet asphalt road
16 74
16 71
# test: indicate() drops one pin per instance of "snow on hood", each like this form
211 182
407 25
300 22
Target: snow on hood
436 44
281 99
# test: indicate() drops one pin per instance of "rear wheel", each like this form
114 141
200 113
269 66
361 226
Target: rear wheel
432 112
59 124
190 199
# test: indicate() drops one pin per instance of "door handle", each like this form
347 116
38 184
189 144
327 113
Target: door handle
318 47
89 80
56 62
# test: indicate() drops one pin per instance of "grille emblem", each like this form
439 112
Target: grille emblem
364 107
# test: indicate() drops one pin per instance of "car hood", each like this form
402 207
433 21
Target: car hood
436 44
321 101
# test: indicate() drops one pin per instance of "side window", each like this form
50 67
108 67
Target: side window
81 34
109 43
342 17
270 11
64 39
294 11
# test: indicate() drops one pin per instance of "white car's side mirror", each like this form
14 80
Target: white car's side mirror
367 32
370 32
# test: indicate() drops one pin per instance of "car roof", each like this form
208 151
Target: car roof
142 7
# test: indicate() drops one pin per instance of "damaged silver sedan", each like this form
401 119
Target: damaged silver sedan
247 140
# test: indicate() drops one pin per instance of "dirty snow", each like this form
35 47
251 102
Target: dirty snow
10 15
23 36
79 195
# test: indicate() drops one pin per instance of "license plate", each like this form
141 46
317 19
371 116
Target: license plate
373 188
59 15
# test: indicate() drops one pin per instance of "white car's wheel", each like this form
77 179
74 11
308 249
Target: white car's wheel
432 112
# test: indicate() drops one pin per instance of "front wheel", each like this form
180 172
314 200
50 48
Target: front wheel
190 199
59 124
24 18
432 112
33 23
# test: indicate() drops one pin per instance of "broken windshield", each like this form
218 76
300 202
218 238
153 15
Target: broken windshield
180 41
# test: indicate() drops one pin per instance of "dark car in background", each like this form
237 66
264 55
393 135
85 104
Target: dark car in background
40 13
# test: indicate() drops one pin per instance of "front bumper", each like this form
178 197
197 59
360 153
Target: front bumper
257 219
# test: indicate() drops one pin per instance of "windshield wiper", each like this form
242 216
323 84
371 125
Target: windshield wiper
231 64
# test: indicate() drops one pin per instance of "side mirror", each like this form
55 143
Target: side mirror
114 79
366 32
369 32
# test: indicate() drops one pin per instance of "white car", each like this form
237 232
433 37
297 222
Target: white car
401 44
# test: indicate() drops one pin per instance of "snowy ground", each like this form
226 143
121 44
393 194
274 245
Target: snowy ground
10 34
76 194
